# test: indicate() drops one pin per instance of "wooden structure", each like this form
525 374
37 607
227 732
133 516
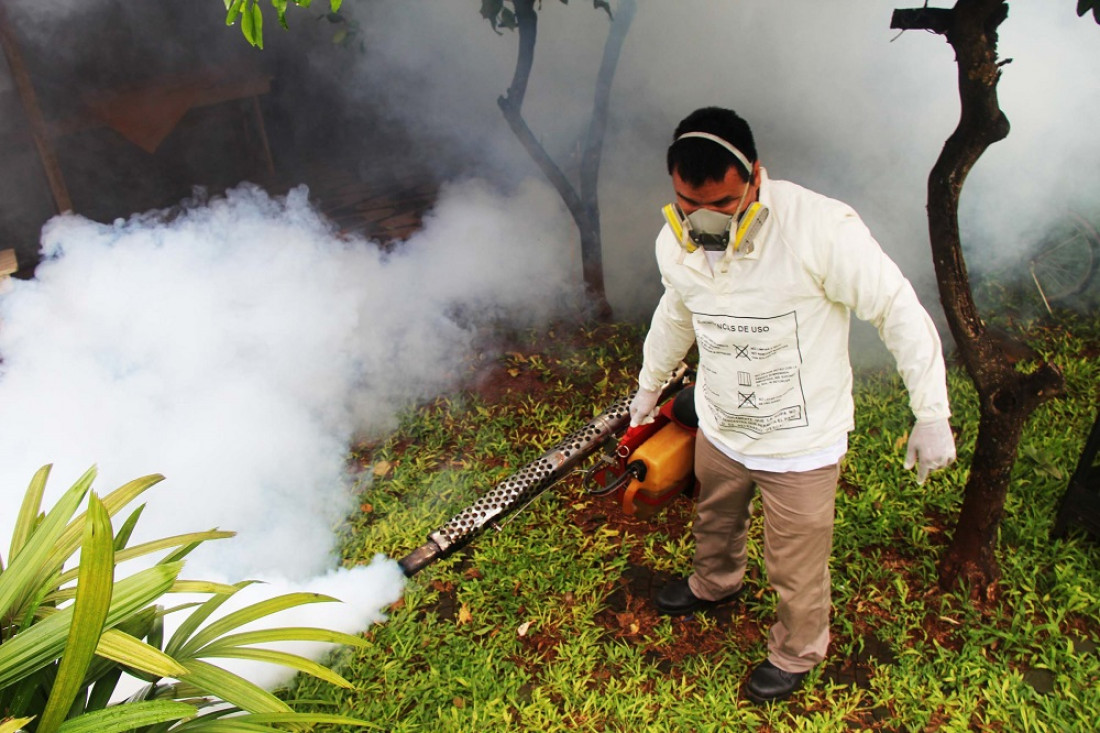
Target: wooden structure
143 115
8 266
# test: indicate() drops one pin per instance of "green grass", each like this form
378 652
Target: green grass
542 627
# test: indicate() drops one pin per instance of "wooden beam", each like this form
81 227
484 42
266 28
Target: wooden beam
34 114
8 265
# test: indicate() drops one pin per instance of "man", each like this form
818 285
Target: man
763 275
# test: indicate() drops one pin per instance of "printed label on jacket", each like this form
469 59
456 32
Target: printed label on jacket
751 372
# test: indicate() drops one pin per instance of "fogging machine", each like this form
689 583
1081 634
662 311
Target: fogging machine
645 467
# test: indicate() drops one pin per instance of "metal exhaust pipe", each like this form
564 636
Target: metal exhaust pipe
520 488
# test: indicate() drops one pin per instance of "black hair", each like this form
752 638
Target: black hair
698 160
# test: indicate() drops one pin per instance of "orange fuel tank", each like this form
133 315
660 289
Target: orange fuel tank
669 459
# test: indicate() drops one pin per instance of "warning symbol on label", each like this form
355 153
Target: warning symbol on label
746 400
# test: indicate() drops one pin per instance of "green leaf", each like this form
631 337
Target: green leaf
113 503
233 11
192 539
284 659
25 696
335 5
154 637
286 633
133 652
303 718
42 643
28 512
236 724
181 553
248 614
21 579
280 12
89 612
122 536
13 725
157 545
123 495
202 586
104 689
131 716
247 24
257 25
232 688
188 627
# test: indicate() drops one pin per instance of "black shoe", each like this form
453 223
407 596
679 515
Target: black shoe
769 683
676 599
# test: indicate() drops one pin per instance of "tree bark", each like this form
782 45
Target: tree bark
592 154
1007 396
583 206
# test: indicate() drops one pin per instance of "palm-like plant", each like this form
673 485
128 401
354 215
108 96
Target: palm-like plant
67 636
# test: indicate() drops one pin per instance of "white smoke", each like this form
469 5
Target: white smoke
239 346
838 101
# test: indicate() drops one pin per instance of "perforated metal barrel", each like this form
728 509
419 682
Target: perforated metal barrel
517 490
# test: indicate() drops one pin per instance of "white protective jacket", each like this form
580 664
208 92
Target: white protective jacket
775 380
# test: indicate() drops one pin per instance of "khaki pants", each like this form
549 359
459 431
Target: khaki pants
798 539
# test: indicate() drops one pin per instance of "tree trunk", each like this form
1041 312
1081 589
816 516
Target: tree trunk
1007 396
591 242
583 206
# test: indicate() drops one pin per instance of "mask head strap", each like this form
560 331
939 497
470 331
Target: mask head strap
741 158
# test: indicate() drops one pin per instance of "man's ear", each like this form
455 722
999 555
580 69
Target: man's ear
755 174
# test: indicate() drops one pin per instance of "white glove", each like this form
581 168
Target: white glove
931 446
643 408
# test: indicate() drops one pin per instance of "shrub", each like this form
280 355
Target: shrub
68 635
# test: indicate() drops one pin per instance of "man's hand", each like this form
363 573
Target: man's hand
643 407
931 446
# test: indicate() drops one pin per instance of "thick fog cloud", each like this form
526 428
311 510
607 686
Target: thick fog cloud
239 346
838 100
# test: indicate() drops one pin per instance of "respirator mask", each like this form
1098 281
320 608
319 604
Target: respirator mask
713 230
